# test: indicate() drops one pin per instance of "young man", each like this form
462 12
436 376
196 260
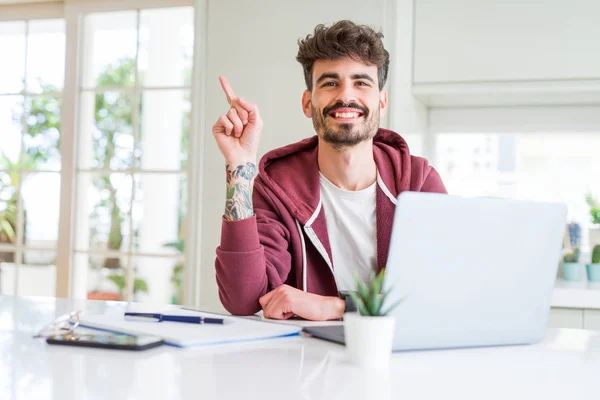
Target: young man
296 228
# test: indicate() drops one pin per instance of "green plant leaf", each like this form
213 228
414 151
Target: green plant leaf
140 285
376 303
596 254
361 288
7 228
360 305
179 245
118 280
594 205
377 282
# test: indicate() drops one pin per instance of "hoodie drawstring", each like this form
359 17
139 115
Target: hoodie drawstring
303 255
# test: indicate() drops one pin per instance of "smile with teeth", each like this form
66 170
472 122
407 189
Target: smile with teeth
346 115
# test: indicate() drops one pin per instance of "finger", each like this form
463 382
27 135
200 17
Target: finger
275 307
280 306
265 299
241 111
238 127
252 109
227 89
226 124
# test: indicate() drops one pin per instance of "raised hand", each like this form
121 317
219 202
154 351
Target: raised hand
238 131
237 134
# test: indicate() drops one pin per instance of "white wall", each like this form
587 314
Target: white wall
559 119
492 40
254 44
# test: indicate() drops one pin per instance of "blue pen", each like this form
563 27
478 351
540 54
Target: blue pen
155 317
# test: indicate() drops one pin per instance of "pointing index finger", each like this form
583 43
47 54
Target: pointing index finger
227 89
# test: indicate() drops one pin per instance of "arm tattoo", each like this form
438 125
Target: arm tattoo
239 191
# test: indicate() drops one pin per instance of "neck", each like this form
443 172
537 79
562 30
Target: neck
349 168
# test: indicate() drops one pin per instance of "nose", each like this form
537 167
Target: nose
346 93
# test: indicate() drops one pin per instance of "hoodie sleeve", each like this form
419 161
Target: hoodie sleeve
252 258
432 182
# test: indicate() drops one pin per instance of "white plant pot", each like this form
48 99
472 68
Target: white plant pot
369 340
594 236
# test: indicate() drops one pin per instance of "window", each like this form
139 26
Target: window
558 166
124 106
133 135
31 85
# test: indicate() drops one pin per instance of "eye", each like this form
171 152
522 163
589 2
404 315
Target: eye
330 83
363 83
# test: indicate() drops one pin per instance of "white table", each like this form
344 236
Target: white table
565 366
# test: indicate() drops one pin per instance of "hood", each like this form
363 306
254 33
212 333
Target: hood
292 172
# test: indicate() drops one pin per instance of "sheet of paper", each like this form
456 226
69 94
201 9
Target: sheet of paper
235 329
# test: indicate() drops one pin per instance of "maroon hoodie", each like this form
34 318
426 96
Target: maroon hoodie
286 242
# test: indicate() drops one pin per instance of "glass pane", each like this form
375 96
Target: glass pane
11 113
159 213
544 167
43 133
46 56
41 201
106 134
37 274
12 48
8 271
9 224
102 283
164 130
109 49
166 46
103 203
158 280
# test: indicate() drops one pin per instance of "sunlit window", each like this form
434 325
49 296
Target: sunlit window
133 150
31 85
562 167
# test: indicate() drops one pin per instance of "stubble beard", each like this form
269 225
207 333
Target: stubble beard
344 136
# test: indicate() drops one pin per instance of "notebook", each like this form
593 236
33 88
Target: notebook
179 334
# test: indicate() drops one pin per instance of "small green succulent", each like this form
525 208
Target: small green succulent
594 204
572 256
596 254
369 297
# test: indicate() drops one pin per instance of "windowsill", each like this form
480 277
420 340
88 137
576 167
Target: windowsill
581 294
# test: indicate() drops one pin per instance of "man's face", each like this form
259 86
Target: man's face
345 103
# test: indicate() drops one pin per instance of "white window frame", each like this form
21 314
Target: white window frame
27 14
72 11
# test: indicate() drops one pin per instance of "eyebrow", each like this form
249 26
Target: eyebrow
363 76
333 75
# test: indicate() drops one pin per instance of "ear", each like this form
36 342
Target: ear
306 103
383 102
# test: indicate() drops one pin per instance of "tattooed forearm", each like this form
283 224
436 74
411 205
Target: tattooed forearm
239 191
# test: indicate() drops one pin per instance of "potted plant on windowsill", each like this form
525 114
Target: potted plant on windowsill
593 269
572 269
369 332
139 285
594 231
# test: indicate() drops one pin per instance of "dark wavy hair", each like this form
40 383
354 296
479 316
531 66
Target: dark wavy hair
343 39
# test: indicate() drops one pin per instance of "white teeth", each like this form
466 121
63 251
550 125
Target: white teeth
346 115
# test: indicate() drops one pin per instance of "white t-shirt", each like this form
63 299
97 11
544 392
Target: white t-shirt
352 228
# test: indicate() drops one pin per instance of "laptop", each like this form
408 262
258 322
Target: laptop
471 271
